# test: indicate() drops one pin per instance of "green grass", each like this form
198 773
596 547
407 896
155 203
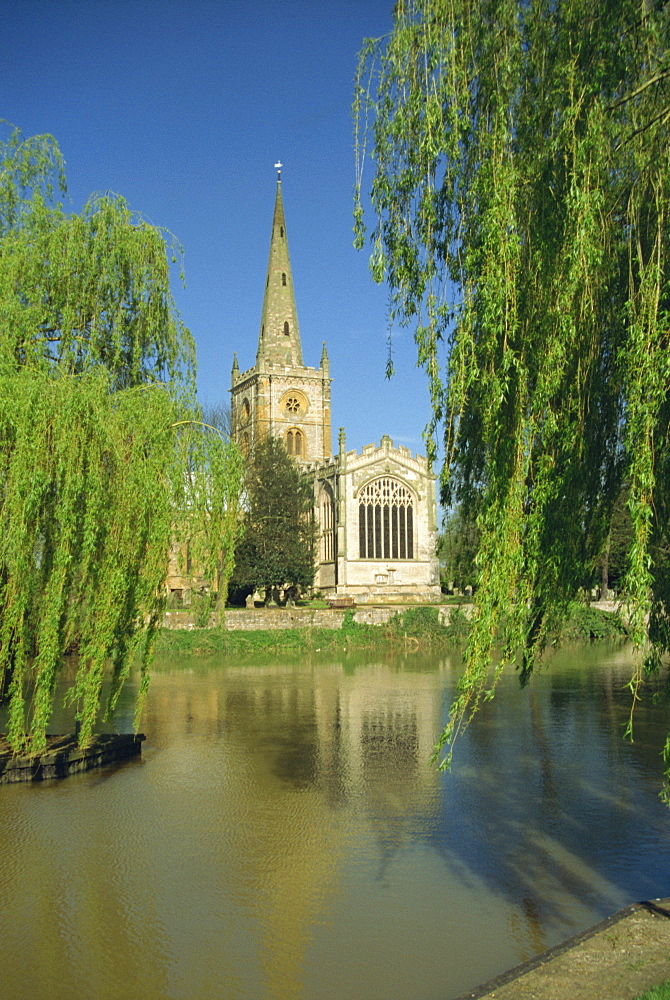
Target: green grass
420 624
661 992
586 622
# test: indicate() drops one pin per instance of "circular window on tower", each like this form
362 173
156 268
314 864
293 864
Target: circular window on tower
293 404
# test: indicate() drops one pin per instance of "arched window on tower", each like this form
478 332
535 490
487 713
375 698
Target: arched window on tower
281 232
295 442
283 278
286 329
385 520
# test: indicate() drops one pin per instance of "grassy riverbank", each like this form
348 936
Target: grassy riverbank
417 627
661 992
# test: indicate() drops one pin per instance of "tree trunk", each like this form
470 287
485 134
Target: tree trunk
605 569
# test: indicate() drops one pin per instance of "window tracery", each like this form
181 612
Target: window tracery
386 520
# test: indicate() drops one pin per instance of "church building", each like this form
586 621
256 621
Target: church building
375 510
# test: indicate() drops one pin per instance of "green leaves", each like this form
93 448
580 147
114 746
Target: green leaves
277 548
521 195
28 166
104 462
84 530
92 289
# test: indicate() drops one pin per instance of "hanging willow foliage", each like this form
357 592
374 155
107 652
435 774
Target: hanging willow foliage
103 462
521 190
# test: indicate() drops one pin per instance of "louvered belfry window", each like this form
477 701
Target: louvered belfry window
386 520
295 442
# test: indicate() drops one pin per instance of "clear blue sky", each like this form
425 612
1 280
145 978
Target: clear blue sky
183 107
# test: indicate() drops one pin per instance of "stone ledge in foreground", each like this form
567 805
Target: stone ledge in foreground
616 959
63 756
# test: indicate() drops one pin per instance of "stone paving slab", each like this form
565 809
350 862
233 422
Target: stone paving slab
617 959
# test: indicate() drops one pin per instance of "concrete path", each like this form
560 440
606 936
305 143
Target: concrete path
617 959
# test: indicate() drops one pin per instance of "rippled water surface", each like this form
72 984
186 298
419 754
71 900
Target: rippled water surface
284 838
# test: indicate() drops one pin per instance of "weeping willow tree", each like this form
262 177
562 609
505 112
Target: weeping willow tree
521 192
103 461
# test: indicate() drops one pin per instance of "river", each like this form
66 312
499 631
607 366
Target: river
283 836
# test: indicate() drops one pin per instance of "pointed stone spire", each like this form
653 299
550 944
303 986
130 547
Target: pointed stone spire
325 363
279 339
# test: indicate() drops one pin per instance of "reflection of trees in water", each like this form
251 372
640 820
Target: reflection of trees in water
74 910
548 803
361 739
296 748
545 803
277 782
325 728
280 720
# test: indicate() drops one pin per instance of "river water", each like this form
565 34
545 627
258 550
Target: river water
284 838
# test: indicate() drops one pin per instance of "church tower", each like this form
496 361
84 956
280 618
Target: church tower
374 511
280 395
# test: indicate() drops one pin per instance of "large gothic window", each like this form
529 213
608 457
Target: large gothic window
385 520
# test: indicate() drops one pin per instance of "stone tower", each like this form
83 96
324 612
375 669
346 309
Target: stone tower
280 395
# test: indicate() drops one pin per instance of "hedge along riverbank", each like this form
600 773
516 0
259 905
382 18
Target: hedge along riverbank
307 630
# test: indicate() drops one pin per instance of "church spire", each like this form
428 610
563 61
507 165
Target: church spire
279 339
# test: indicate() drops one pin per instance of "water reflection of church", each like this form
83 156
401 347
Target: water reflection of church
375 510
295 747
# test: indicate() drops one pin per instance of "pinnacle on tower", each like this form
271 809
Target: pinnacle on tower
279 338
324 356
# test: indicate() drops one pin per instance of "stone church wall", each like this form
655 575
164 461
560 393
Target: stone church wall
397 579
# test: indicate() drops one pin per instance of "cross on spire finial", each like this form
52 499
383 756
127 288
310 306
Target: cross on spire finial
278 166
